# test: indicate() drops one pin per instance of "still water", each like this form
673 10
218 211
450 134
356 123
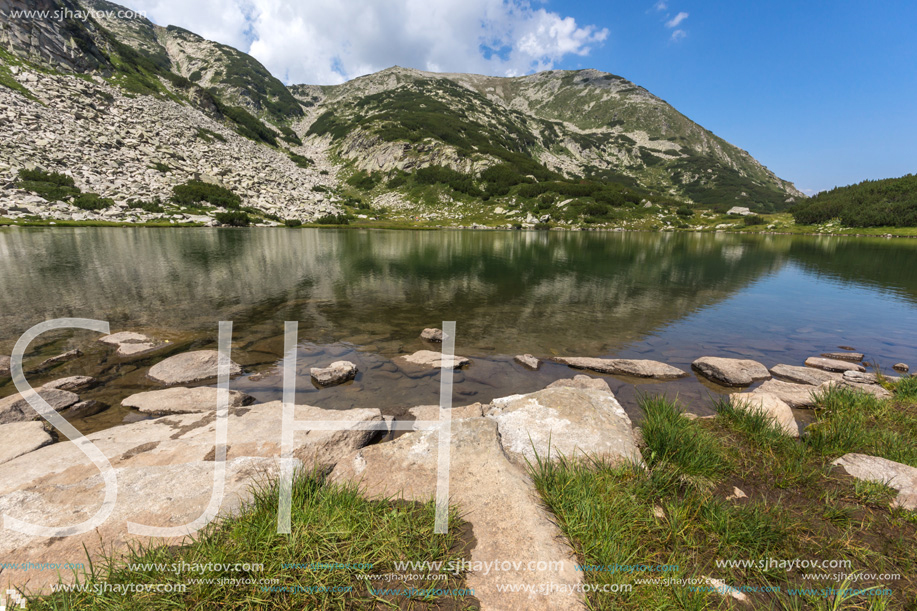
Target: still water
364 296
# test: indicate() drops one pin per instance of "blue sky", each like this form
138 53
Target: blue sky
823 93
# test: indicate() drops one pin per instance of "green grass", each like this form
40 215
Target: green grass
330 524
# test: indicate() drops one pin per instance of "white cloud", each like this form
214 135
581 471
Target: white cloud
329 41
678 35
674 21
661 5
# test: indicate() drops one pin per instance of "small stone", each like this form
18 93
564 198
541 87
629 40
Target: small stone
84 409
736 494
432 335
527 360
832 365
60 358
854 357
902 367
73 383
16 409
659 512
336 373
720 587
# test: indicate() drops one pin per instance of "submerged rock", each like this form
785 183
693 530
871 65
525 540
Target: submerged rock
60 358
73 383
190 367
527 360
804 375
16 409
731 372
638 368
901 477
183 400
20 438
832 365
337 372
84 409
854 357
772 406
429 358
4 367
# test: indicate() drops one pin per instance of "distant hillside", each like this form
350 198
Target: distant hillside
891 202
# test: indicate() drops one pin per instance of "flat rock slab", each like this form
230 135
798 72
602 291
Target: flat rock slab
902 367
902 478
73 383
853 357
84 409
731 372
435 360
832 365
337 372
60 358
563 421
130 343
431 412
581 381
16 409
527 360
183 400
21 438
859 377
496 496
4 366
770 405
189 367
794 395
804 375
638 368
432 335
165 476
870 389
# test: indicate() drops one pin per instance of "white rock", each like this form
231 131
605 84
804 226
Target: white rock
429 358
901 477
337 372
779 412
527 360
189 367
731 372
21 438
181 400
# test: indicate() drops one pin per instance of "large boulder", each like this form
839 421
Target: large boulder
794 395
495 495
803 375
4 367
337 372
21 438
16 409
189 367
430 359
581 381
564 421
731 372
130 343
834 365
902 478
164 468
181 400
638 368
778 411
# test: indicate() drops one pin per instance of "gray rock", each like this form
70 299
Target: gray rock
860 377
182 400
16 409
84 409
832 365
902 367
496 496
871 389
569 422
804 375
731 372
130 343
20 438
902 478
527 360
73 383
638 368
60 358
431 412
772 406
432 335
189 367
794 395
337 372
581 381
4 366
854 357
740 210
428 358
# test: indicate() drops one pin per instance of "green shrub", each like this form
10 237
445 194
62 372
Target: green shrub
248 125
301 161
235 218
92 201
542 226
456 181
209 136
160 167
152 206
365 181
333 219
685 211
50 185
292 222
54 178
196 191
754 219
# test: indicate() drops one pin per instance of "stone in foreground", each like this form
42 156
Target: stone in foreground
568 422
581 381
638 368
527 360
432 335
902 478
731 372
164 471
804 375
4 367
16 409
496 496
853 357
21 438
833 365
189 368
428 358
337 372
73 383
183 400
766 403
794 395
902 367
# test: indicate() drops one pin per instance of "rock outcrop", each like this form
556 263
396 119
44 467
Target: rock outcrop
21 438
73 383
804 375
794 395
